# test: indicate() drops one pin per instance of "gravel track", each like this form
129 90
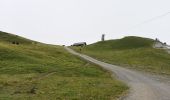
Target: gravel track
142 86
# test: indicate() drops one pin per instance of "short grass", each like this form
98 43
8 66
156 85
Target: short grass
131 52
36 71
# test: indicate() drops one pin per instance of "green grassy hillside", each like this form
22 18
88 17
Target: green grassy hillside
131 52
36 71
9 38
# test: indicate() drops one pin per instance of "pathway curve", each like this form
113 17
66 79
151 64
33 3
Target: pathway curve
142 87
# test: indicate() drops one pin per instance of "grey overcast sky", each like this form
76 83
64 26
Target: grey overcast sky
69 21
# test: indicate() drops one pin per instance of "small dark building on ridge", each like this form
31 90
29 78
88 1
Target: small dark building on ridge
80 44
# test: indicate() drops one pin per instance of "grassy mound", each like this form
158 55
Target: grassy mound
121 44
132 52
9 38
38 71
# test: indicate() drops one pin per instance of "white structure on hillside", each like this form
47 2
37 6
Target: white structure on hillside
159 44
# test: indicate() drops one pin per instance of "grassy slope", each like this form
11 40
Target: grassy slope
132 52
39 71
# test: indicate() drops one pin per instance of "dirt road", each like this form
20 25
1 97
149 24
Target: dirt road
142 86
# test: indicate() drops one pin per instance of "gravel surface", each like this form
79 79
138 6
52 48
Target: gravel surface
142 86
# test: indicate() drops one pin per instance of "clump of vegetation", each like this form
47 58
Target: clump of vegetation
132 52
47 72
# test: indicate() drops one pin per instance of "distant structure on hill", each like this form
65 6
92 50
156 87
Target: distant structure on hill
103 37
159 44
80 44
